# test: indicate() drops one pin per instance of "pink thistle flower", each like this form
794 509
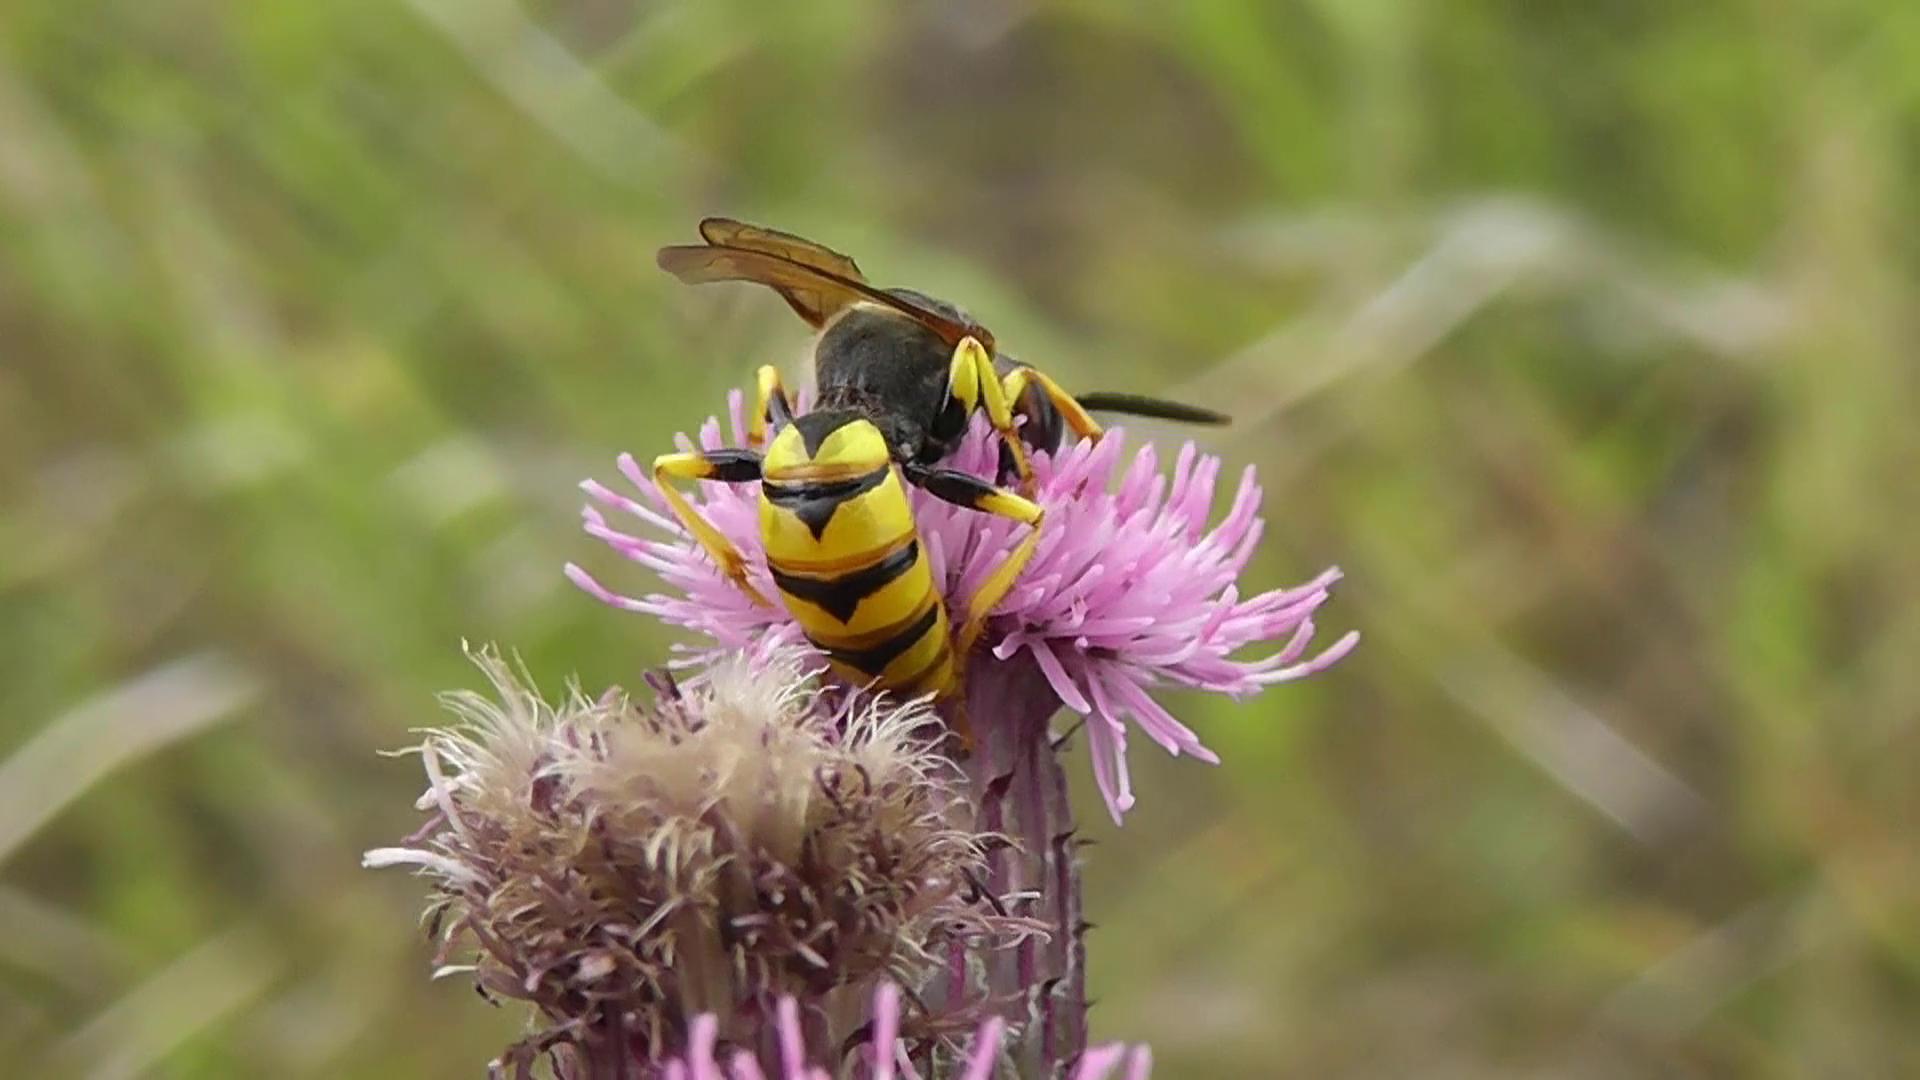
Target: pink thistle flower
887 1056
1131 589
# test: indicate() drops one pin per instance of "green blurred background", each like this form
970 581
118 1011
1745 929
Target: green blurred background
1583 335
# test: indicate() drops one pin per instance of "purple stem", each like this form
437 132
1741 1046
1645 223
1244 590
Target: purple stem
1020 790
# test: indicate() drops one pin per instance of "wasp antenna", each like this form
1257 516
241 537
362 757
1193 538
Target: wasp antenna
1152 407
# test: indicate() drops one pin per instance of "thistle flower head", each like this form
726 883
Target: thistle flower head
624 866
1131 589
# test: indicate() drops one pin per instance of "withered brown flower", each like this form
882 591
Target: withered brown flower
624 866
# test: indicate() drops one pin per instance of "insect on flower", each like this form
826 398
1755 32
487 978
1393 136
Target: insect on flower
1136 586
900 375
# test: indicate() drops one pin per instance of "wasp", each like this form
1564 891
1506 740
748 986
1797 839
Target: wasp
899 375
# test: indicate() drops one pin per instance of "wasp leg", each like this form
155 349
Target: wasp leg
728 467
971 379
962 489
770 406
1077 418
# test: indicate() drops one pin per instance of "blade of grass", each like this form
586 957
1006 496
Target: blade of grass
135 1034
90 742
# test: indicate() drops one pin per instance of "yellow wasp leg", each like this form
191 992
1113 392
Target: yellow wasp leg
769 400
727 466
962 489
992 397
1078 420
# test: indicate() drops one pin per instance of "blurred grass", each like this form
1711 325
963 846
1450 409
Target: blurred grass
1581 335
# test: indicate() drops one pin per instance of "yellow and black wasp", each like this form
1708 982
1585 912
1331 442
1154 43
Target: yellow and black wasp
899 375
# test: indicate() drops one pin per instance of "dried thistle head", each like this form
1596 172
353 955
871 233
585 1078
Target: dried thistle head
624 867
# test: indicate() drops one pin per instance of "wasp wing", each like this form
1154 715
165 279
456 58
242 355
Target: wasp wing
815 297
726 232
812 305
816 294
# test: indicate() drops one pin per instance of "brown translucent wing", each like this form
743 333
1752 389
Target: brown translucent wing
814 296
726 232
812 305
817 295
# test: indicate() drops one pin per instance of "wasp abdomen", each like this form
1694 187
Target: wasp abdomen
849 564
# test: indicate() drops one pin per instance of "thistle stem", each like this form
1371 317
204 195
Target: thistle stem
1020 790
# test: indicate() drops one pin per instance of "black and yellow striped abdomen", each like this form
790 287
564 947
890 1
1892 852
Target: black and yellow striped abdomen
840 540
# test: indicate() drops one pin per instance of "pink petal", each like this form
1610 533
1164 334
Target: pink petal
1057 677
793 1053
1098 1061
985 1050
886 1029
